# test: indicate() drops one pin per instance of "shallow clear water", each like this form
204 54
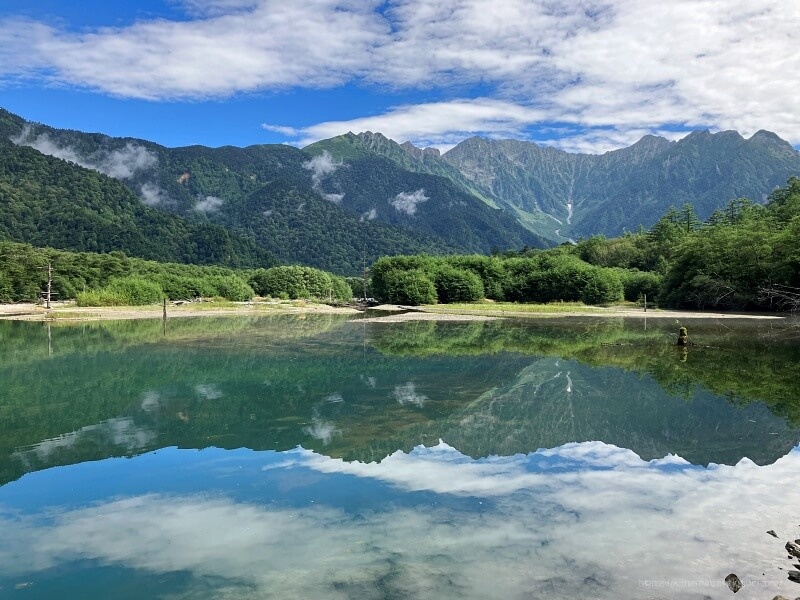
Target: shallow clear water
319 457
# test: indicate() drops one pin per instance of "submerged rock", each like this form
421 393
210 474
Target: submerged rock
733 582
793 549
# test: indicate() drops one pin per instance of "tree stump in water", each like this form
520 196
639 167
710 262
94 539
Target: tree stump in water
683 337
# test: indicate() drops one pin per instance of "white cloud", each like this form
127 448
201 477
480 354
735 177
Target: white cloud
233 47
152 194
610 67
435 124
321 430
369 215
320 167
406 202
123 163
209 204
335 198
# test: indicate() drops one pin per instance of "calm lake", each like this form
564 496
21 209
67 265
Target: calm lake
323 457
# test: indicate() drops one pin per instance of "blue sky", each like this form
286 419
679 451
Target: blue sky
581 75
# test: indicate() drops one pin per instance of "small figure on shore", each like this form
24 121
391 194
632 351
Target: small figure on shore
683 337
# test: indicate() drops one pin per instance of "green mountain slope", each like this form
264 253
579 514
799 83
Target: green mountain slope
45 201
379 179
273 194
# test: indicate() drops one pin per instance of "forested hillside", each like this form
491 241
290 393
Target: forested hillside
49 202
278 196
745 257
344 202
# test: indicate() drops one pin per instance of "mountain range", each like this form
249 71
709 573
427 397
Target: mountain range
342 202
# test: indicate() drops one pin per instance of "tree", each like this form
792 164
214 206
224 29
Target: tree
689 218
457 285
408 287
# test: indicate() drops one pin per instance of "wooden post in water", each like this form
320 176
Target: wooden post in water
47 294
645 303
49 282
165 309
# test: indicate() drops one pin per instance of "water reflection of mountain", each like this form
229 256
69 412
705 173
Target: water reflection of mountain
362 391
555 401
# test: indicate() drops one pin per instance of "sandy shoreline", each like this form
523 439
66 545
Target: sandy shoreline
69 312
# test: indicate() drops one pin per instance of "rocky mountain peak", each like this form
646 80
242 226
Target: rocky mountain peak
419 153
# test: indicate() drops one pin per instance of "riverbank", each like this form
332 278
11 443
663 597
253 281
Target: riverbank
68 311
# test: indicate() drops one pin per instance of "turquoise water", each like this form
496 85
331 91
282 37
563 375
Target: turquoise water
319 457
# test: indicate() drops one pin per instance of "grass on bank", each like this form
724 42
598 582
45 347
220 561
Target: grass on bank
513 307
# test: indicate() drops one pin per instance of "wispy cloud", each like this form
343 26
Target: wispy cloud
407 394
406 202
321 166
436 124
209 204
123 163
369 215
152 194
608 67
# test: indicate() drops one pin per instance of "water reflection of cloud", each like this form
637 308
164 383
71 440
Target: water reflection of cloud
581 520
407 394
321 430
208 391
120 433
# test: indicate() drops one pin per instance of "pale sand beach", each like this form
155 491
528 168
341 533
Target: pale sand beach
68 311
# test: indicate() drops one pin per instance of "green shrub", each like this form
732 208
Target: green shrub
135 291
408 287
231 287
383 272
100 298
341 289
299 282
638 283
279 281
490 269
177 287
602 286
457 285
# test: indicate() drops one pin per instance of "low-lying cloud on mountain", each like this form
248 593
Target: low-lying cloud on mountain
119 164
209 204
406 202
123 163
321 166
152 194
